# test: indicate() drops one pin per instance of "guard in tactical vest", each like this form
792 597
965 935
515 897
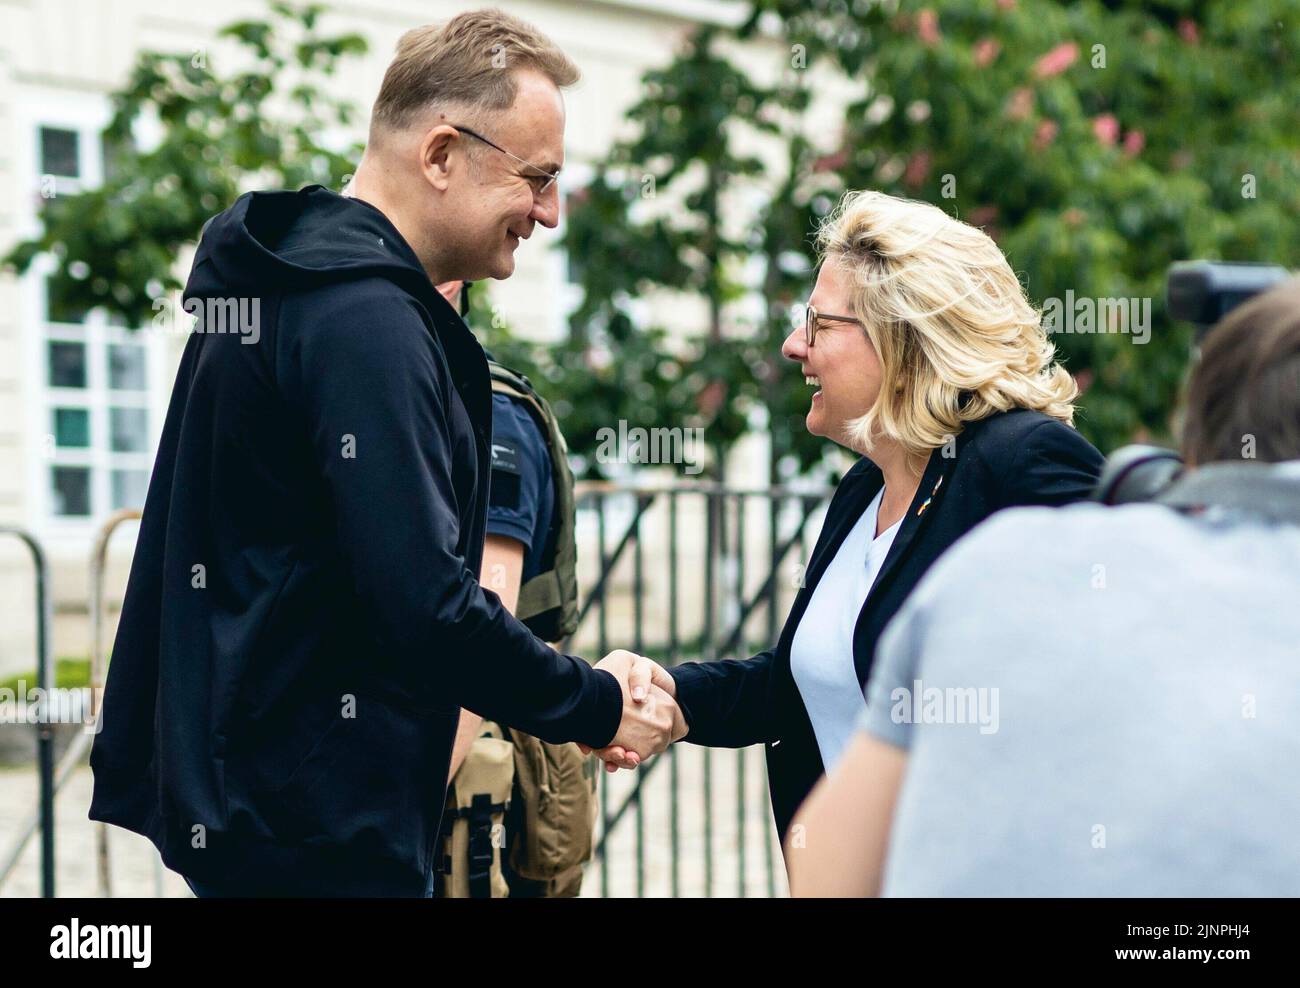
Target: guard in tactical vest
521 813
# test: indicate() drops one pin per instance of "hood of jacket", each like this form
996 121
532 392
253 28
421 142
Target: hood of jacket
300 239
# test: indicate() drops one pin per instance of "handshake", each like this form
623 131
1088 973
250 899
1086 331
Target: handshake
651 718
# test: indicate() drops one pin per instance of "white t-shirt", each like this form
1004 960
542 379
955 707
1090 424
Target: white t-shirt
821 655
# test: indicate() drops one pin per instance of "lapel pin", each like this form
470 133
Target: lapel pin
933 491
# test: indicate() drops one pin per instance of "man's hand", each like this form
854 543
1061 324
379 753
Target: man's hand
651 722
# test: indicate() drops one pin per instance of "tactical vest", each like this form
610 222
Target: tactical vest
548 603
521 813
520 819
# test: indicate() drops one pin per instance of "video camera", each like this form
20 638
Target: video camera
1202 293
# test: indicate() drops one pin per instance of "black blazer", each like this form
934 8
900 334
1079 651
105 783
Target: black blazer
1013 458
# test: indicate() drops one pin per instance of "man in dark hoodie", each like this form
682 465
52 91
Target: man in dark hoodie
302 622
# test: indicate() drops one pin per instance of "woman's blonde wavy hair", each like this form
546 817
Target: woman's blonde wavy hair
956 336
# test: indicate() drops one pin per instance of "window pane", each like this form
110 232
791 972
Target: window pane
125 367
59 152
128 429
129 487
72 427
71 490
67 365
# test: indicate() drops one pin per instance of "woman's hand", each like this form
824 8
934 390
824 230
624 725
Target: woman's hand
646 682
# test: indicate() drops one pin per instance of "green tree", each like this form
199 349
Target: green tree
1098 142
260 124
683 154
676 211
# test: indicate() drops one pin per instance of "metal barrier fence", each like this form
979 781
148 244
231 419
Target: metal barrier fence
98 672
678 573
44 814
689 572
52 779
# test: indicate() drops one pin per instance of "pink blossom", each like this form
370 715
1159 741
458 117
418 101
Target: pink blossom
1134 142
986 49
1007 4
831 162
927 26
918 169
1021 104
1106 127
1057 60
711 397
1188 31
1045 134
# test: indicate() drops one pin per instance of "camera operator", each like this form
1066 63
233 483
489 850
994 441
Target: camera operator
1130 723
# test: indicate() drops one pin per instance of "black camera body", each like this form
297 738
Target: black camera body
1202 293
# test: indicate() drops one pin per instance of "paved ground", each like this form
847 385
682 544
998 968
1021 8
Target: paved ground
137 871
713 807
132 858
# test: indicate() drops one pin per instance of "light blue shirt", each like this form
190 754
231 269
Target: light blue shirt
1097 702
821 655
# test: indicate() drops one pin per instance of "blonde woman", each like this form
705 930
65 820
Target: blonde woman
928 361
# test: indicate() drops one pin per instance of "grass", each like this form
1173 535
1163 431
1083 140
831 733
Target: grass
69 673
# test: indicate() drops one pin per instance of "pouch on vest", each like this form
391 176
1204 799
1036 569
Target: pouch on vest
473 825
553 814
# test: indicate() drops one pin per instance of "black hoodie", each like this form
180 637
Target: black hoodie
303 619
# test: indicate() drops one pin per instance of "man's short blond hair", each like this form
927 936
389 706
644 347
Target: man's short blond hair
469 62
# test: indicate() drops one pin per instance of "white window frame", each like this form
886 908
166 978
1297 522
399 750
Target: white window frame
87 114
